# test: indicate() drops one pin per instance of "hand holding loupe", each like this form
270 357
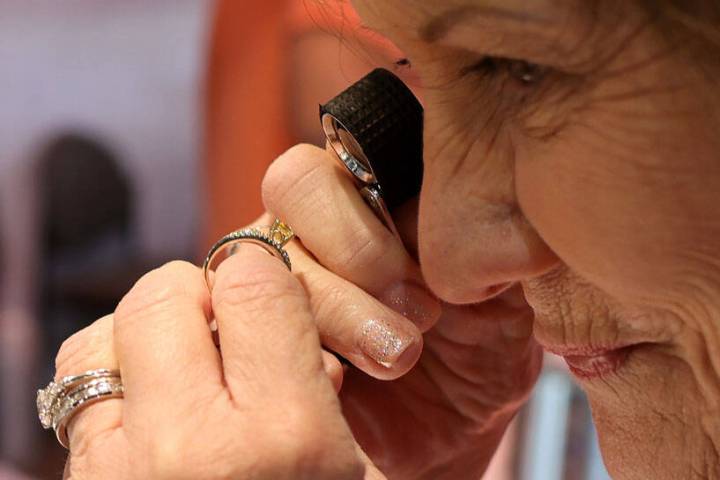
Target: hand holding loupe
375 128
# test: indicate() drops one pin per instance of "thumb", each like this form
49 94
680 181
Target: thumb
266 330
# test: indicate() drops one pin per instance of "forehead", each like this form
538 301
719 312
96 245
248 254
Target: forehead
428 20
568 34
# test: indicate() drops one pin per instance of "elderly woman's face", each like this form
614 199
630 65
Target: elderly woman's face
576 150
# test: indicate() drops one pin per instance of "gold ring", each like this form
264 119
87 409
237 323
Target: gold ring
272 239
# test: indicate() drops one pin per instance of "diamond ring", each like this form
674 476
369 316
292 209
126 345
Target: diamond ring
60 401
272 239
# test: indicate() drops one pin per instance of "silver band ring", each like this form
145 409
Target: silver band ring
351 156
277 235
60 401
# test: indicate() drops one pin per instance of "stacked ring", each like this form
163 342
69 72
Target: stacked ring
60 401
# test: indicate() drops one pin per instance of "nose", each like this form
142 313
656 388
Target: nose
473 238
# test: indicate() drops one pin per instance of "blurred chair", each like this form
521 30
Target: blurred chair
89 256
126 78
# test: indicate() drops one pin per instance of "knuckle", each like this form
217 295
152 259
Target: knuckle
296 173
157 290
84 350
363 248
330 304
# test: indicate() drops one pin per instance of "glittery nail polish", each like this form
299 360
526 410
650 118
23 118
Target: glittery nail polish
383 343
414 303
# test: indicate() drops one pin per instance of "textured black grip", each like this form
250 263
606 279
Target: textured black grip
386 120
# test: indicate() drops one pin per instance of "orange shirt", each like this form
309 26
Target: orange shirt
245 127
248 111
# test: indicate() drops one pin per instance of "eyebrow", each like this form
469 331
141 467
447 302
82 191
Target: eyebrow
438 27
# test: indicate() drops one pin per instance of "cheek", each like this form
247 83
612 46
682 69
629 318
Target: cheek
625 192
608 218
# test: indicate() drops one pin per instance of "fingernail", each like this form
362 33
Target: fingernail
414 302
383 343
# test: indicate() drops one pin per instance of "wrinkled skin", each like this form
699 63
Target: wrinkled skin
446 406
595 184
444 419
589 182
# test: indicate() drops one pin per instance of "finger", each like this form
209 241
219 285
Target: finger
332 366
373 337
270 346
90 349
492 344
334 370
307 188
353 324
163 343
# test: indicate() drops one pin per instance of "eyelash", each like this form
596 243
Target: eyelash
524 72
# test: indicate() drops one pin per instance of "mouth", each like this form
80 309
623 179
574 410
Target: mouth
588 362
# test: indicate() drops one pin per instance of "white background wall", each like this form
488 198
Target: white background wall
130 73
128 70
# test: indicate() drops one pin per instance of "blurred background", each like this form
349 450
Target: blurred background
133 132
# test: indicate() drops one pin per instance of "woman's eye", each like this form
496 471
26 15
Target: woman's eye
524 72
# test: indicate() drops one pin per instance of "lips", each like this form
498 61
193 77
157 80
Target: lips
590 362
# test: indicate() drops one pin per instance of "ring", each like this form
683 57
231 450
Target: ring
60 401
278 234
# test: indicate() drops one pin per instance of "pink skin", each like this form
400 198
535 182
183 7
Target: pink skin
593 362
594 186
596 365
476 369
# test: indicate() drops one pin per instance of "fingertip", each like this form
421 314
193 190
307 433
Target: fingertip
408 358
391 347
413 302
334 370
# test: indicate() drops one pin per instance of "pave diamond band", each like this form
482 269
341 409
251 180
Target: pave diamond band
60 401
272 239
84 396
